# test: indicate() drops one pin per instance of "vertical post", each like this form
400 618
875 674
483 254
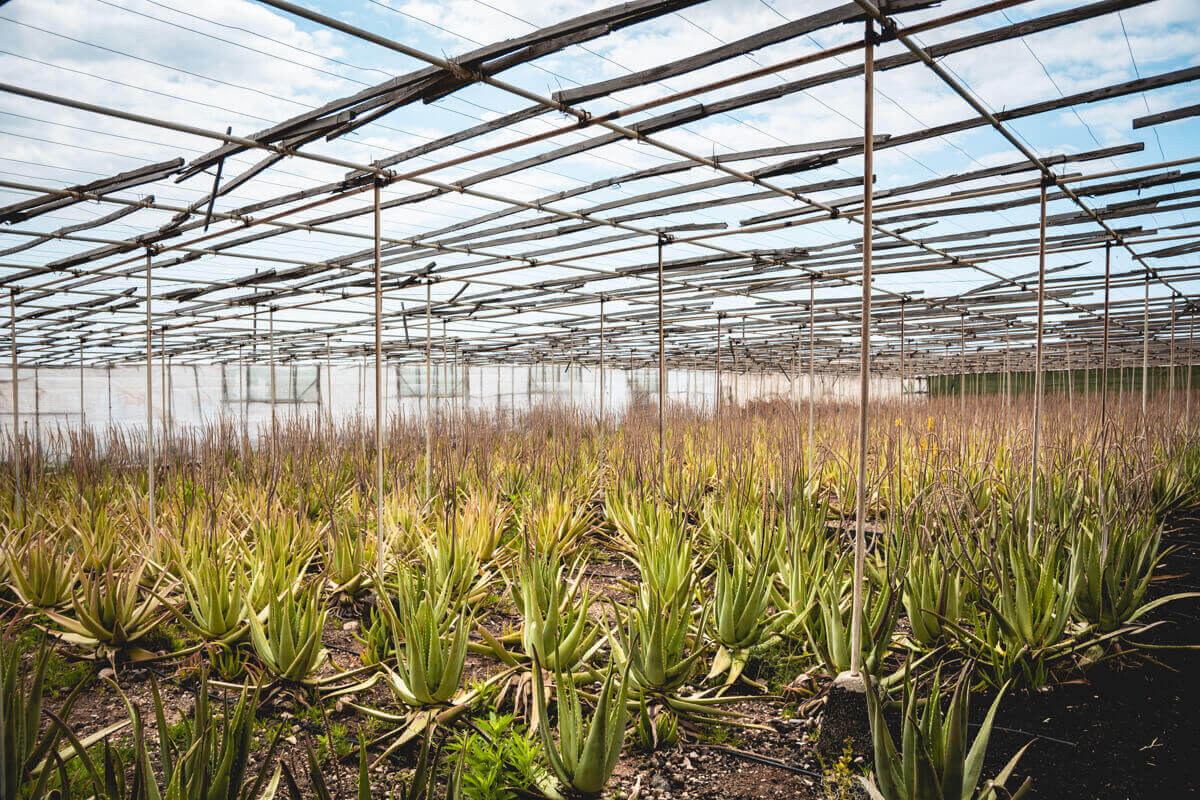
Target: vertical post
1007 367
249 367
82 414
601 388
717 403
329 381
900 433
1100 472
243 383
1087 371
864 366
378 391
428 387
162 377
444 405
149 396
1146 353
962 366
812 376
18 466
1187 414
1070 378
662 379
271 367
1037 378
903 300
1171 370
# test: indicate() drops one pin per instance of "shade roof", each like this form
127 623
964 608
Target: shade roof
513 232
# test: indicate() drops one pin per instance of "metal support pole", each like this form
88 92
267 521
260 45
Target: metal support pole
600 414
244 382
378 392
902 365
1171 370
18 466
662 379
428 387
271 367
82 413
1100 473
1007 367
1070 378
149 396
162 375
962 366
445 405
1146 354
1087 371
864 366
717 404
812 377
329 382
1037 378
1187 414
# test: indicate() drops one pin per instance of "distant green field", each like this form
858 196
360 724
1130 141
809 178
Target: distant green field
1127 378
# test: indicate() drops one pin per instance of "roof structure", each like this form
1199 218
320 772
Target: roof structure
753 253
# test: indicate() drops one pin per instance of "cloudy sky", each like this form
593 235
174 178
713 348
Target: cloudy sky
241 64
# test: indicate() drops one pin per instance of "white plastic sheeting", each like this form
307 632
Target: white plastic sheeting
195 395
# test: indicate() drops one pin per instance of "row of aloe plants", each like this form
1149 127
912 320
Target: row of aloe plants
739 555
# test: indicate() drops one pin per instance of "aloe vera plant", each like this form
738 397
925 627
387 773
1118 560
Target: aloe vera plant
216 606
741 619
1115 576
42 574
661 643
934 591
349 563
289 642
212 762
431 649
554 605
1021 624
26 746
586 752
111 614
828 626
934 761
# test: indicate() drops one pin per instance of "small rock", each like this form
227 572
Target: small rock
107 672
350 626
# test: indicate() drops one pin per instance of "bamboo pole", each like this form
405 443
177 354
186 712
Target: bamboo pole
864 390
